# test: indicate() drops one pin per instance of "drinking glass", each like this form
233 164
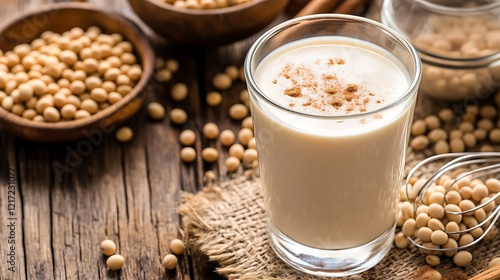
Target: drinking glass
331 182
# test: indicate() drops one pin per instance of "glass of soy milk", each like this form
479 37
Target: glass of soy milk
332 99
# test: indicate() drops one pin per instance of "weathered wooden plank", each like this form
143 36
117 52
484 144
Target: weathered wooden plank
139 239
11 213
190 173
163 164
87 204
35 184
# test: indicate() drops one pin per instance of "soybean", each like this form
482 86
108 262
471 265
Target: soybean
108 247
115 262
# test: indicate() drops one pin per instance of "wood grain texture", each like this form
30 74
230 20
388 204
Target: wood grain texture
71 196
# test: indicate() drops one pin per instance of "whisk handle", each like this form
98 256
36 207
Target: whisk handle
489 274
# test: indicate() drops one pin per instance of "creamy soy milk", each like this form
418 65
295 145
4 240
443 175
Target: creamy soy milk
331 162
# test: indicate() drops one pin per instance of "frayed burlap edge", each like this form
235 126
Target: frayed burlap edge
227 223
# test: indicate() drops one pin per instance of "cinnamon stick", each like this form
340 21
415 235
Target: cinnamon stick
349 6
489 274
318 7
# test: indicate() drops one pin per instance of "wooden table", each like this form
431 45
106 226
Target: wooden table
127 192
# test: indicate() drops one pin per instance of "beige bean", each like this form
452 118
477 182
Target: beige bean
238 112
179 91
462 258
210 154
178 116
156 111
177 246
436 210
432 122
51 114
244 135
249 155
409 227
400 240
115 262
446 115
437 134
441 147
419 143
247 123
451 228
232 164
227 137
222 81
187 137
80 114
213 98
439 237
432 260
457 145
493 185
170 261
421 220
124 134
211 130
236 150
407 210
494 262
108 247
435 224
424 233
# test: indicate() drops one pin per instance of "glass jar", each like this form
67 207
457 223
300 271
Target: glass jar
458 42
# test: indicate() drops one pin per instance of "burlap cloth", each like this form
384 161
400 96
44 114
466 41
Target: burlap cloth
227 223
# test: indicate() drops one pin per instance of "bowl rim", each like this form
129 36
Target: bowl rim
147 70
207 12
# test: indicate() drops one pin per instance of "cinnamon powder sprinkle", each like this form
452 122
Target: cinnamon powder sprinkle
351 88
325 90
294 92
349 96
331 90
328 77
350 92
336 60
337 102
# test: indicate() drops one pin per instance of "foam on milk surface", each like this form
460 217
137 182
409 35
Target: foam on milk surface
330 76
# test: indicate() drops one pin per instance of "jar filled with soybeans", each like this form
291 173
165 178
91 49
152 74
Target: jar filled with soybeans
458 42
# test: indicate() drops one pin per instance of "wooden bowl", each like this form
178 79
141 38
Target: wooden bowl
59 18
209 27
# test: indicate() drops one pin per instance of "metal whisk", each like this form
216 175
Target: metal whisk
481 165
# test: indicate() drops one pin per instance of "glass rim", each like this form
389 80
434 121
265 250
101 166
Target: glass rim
458 10
410 91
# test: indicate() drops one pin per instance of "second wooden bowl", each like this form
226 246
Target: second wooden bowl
211 26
